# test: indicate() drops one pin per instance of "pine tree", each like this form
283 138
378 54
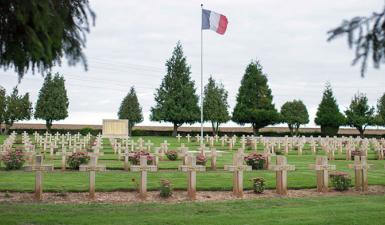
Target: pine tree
360 114
215 106
130 109
328 115
17 107
294 113
380 118
52 103
2 107
254 100
176 101
366 35
39 33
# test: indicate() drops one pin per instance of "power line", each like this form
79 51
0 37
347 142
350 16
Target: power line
90 86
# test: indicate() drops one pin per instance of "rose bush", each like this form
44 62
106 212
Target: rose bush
255 160
13 159
135 157
76 159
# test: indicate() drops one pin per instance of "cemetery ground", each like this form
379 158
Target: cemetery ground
65 193
315 210
116 179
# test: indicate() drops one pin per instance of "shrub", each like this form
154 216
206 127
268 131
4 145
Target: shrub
258 185
255 160
76 159
172 155
341 181
84 131
278 152
165 188
201 159
13 159
135 158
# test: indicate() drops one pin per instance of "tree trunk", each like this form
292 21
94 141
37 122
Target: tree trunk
291 129
175 131
213 127
297 129
362 131
1 128
130 129
48 124
6 130
130 126
255 129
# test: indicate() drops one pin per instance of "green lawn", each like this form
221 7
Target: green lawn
348 210
117 179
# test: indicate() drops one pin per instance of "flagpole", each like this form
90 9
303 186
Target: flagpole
201 79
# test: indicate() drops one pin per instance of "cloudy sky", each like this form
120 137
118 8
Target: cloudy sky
132 40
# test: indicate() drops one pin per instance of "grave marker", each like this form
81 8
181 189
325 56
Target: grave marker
322 170
39 168
92 167
237 168
360 167
143 168
281 169
191 168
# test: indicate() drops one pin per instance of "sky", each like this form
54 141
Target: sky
131 41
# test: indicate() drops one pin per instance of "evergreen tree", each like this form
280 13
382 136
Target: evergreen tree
2 107
130 109
380 118
38 33
254 100
17 107
366 35
328 114
294 114
215 106
52 103
360 114
176 101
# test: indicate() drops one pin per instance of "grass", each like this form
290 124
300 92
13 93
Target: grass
317 210
117 179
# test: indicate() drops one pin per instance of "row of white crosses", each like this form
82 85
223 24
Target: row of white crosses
273 144
8 142
29 147
97 146
281 168
74 143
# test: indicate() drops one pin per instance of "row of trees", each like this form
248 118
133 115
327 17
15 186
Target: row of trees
52 103
177 102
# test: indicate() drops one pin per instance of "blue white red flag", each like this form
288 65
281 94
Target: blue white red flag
214 21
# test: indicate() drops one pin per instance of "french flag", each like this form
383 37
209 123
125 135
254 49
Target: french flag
214 21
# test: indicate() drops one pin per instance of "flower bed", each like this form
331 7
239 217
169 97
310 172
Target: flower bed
201 159
258 185
255 160
172 155
165 188
340 180
13 159
76 159
135 158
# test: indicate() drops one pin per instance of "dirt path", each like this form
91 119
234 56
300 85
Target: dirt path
178 196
